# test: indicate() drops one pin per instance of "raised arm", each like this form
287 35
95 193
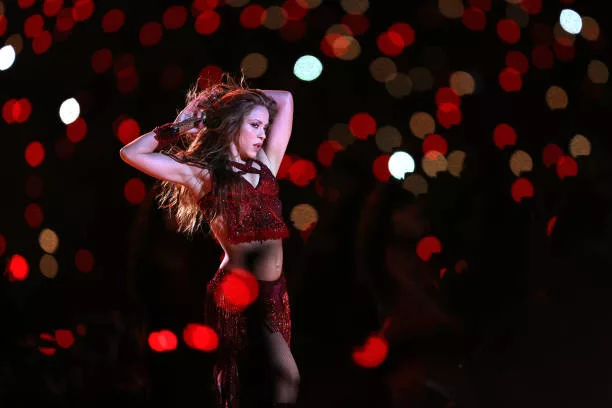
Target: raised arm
140 154
280 130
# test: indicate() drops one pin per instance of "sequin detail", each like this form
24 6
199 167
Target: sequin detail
231 327
253 217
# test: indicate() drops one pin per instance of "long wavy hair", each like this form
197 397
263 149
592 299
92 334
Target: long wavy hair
225 104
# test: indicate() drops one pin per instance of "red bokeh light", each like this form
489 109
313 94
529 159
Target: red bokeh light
237 290
522 188
128 130
372 353
390 43
283 170
52 7
294 10
380 168
101 60
25 3
7 111
484 5
18 268
302 172
293 30
174 17
76 130
21 110
474 19
3 24
405 31
150 34
327 150
566 167
48 351
163 340
209 75
551 154
113 20
428 246
564 50
436 143
362 125
518 61
199 6
33 25
509 31
64 21
510 80
447 95
208 22
127 79
82 10
34 154
33 215
42 42
357 23
2 245
334 45
550 225
64 338
504 135
542 57
134 191
448 115
84 260
200 337
531 6
252 16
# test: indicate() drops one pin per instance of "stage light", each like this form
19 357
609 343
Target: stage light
307 68
570 21
7 57
69 111
400 163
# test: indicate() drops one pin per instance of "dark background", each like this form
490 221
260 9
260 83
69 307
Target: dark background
526 323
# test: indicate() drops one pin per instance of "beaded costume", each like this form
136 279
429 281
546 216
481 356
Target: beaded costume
254 217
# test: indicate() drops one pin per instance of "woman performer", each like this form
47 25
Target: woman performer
217 162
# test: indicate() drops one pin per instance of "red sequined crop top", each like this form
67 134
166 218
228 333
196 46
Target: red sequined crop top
256 216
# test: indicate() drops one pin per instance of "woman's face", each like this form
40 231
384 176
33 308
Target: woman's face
252 133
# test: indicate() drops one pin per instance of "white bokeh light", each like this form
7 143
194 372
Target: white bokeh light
400 163
7 57
69 111
308 68
570 21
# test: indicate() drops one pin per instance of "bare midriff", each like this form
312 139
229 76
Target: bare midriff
264 259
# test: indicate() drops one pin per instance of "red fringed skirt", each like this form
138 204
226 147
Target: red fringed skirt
231 328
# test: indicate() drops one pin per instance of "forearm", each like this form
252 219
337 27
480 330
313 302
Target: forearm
146 143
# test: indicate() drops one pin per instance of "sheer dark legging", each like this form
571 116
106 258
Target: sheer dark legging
271 375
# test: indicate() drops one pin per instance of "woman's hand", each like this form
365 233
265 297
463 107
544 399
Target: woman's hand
191 111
